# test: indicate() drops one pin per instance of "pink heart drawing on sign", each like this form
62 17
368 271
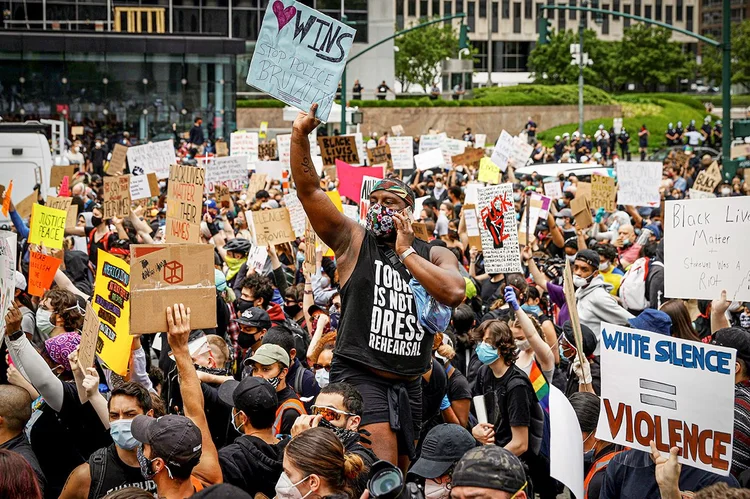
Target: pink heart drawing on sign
283 15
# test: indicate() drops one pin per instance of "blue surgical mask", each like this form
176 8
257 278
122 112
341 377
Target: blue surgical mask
532 309
486 354
120 432
300 259
43 323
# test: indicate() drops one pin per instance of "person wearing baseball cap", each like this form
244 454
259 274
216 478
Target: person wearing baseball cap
443 446
254 323
739 339
171 446
253 462
490 472
271 362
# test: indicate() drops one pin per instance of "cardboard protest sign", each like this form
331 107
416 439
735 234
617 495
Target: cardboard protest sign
534 212
380 155
267 150
8 248
581 212
57 173
343 147
24 207
694 194
429 159
284 146
705 252
480 140
638 183
300 56
570 299
470 157
222 149
430 142
117 162
488 171
47 226
310 265
450 148
740 151
368 183
184 204
165 274
143 186
76 131
420 231
503 150
257 183
397 130
222 194
256 258
472 225
273 170
154 157
42 270
553 190
87 347
603 192
708 179
350 178
296 213
65 204
673 391
117 197
521 152
566 446
111 301
498 229
242 143
402 152
229 171
272 226
583 190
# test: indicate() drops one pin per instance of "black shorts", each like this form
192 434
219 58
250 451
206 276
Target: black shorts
375 393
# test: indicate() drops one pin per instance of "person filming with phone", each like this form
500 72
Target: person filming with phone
381 347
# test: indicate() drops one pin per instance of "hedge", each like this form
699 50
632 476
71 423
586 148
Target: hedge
260 103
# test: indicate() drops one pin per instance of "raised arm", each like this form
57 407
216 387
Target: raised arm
333 228
537 274
178 321
542 350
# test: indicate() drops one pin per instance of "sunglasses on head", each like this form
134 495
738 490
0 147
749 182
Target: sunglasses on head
320 366
330 413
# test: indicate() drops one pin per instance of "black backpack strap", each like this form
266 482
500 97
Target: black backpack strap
98 470
298 377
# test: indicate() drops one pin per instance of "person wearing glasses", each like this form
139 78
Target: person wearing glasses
339 407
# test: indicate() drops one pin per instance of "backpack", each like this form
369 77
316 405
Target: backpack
633 291
301 338
98 469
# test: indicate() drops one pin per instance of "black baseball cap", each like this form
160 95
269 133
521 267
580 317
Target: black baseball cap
490 467
176 439
588 336
589 256
250 394
255 317
442 448
222 491
734 337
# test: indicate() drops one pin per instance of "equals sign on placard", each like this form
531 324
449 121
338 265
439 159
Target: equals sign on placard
658 400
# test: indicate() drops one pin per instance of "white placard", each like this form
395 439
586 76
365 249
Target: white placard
480 408
470 192
503 150
284 147
696 194
230 171
155 157
472 224
139 187
521 152
498 229
705 248
671 391
430 159
566 446
296 213
274 169
402 152
430 142
8 248
418 203
553 190
480 140
452 147
244 143
361 151
638 183
351 211
257 256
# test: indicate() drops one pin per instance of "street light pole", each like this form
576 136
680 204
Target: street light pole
726 89
581 28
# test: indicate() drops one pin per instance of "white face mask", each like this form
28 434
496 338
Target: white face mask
43 323
603 266
438 185
726 192
522 345
570 258
560 222
579 282
434 490
321 376
285 489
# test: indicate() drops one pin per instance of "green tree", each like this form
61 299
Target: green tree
420 52
710 66
648 57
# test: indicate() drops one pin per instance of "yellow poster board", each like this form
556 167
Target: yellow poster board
47 226
111 301
335 198
488 171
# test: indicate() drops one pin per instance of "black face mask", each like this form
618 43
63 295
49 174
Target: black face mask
292 310
246 340
96 221
243 305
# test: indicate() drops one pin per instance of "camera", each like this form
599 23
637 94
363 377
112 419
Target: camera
387 482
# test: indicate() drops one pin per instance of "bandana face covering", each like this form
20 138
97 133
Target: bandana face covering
380 220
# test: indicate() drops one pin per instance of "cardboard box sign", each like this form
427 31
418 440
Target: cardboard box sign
164 274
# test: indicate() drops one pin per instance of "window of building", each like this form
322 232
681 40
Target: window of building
412 8
637 8
679 10
495 16
459 6
447 11
506 9
689 17
538 15
616 8
605 20
668 14
424 5
561 22
483 8
647 12
511 57
571 13
528 9
550 13
516 17
471 15
657 10
480 59
626 20
399 14
435 8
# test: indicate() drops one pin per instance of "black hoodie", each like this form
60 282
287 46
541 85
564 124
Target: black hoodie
252 464
655 278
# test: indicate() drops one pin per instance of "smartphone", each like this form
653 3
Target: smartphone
408 212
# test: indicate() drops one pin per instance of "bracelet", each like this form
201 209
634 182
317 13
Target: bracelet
406 253
308 292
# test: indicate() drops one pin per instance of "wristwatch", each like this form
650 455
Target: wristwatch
16 335
406 253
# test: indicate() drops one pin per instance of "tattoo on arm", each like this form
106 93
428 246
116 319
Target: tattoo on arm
309 168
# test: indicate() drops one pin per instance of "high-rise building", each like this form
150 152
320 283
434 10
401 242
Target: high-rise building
710 15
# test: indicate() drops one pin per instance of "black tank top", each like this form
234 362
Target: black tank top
379 326
109 473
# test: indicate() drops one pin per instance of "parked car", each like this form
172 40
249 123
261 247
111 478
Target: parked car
699 151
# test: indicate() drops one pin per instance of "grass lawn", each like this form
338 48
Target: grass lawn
656 111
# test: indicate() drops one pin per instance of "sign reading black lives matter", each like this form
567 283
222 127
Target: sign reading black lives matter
300 56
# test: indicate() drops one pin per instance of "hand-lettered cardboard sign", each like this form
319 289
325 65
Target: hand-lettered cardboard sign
380 155
244 143
154 157
521 152
117 162
420 231
581 212
222 149
740 151
553 190
705 251
111 301
229 171
257 183
402 152
498 229
583 190
674 392
472 225
296 213
165 274
116 197
57 173
603 192
350 178
47 226
488 171
87 348
470 157
310 266
397 130
638 183
267 150
503 150
342 147
708 179
300 56
271 226
184 204
143 186
65 204
42 270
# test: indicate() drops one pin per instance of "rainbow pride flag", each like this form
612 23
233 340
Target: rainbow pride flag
541 387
